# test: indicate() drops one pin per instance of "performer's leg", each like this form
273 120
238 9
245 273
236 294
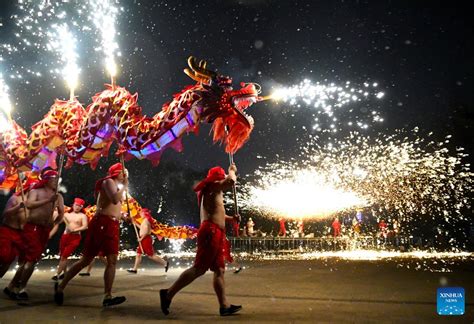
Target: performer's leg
74 270
28 269
109 274
219 287
89 268
138 260
15 282
62 266
157 259
185 279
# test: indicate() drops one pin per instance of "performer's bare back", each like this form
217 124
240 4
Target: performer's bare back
145 228
212 204
14 220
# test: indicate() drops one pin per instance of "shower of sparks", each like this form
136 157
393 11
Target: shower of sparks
5 105
104 15
327 100
390 175
311 194
177 245
33 23
43 25
62 41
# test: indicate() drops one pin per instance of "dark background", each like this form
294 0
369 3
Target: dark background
420 53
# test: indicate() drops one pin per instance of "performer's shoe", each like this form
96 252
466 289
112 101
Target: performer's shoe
232 309
238 270
22 295
55 278
165 302
58 295
11 294
61 277
132 271
111 301
167 266
85 274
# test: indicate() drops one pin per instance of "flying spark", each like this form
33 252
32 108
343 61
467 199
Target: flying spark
327 99
104 15
62 41
389 174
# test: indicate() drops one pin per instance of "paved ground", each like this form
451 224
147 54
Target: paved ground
329 291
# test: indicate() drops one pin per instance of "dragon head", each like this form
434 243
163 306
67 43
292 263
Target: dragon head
223 106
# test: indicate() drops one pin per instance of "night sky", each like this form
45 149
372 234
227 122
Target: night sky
420 53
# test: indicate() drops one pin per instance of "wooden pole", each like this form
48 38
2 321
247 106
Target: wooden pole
128 207
234 188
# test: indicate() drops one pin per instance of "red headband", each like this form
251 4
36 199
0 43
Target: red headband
215 174
45 177
79 201
114 171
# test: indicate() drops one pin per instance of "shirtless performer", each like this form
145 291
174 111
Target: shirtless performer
41 201
76 221
102 235
11 242
213 249
147 243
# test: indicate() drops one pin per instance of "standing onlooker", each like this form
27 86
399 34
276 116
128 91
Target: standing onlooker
282 231
336 227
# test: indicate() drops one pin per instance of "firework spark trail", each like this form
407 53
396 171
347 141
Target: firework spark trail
63 42
103 15
392 174
301 187
36 22
33 22
326 99
5 105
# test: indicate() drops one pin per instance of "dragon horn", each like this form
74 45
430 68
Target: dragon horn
200 69
193 76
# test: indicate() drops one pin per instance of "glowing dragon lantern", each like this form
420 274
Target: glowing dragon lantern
59 127
86 134
13 140
225 106
115 115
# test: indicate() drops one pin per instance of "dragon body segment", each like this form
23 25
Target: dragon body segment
85 135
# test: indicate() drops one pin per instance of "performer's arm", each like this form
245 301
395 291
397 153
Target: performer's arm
114 193
60 217
53 230
228 182
12 206
236 217
83 222
32 203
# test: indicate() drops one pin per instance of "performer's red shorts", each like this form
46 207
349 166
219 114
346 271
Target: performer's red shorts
213 248
147 244
35 238
102 236
11 244
68 244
